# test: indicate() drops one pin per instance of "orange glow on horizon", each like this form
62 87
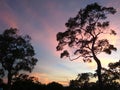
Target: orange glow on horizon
43 78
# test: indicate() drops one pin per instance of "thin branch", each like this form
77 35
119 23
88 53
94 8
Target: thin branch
89 56
74 58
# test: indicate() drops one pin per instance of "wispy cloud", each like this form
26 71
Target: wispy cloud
7 15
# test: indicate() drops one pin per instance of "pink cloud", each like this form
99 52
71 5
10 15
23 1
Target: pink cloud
47 36
9 20
7 15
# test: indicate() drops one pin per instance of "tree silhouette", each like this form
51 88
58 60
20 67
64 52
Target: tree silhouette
25 77
81 80
54 86
85 35
112 74
16 54
26 82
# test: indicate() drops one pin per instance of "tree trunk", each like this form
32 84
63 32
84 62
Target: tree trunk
99 67
9 80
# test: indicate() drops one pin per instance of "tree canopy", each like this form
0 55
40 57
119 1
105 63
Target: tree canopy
84 32
16 53
85 35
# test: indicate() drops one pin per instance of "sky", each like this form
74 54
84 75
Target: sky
42 20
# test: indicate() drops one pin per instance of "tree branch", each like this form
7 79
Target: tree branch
74 58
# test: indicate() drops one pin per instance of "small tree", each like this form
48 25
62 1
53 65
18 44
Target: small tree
112 74
84 35
16 54
25 82
82 80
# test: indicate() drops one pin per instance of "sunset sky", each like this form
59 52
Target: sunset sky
42 20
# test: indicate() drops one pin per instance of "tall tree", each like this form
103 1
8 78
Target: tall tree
16 54
85 35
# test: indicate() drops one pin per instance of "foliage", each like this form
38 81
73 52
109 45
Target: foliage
112 74
25 78
84 32
82 80
85 35
16 53
110 78
26 82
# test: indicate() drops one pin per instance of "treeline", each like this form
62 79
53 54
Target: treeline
29 85
110 79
